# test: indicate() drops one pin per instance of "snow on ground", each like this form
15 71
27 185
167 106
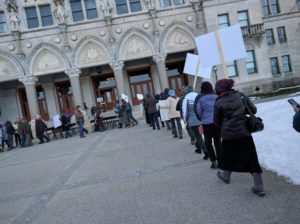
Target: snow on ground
278 146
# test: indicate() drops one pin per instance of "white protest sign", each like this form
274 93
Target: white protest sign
99 99
208 50
125 97
56 121
193 65
222 46
140 96
232 43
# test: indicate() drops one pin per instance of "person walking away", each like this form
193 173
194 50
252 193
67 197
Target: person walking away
164 112
65 124
40 128
205 112
157 97
131 118
191 119
179 108
148 120
99 125
238 148
150 104
173 114
79 121
10 134
17 136
28 133
21 131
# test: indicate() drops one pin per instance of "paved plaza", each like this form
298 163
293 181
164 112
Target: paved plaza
133 175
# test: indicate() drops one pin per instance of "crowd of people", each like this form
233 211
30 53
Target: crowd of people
220 115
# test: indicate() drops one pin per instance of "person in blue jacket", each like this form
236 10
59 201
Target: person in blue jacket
296 119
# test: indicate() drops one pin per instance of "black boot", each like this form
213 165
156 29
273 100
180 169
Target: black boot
206 156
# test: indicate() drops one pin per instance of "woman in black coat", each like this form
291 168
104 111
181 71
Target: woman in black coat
238 148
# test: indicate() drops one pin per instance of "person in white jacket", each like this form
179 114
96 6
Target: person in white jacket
191 119
163 111
173 114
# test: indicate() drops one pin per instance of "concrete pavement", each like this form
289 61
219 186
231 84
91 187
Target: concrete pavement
134 175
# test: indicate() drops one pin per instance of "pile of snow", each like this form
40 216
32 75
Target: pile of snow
278 146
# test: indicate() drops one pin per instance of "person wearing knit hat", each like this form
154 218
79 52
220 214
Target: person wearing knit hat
204 107
173 114
238 148
192 121
162 110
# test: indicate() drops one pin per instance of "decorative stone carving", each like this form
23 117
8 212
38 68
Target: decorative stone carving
162 23
116 65
106 8
178 39
102 33
91 53
159 57
57 40
118 30
46 62
28 80
60 12
150 4
189 18
28 44
74 37
146 25
14 18
7 70
73 72
136 46
11 47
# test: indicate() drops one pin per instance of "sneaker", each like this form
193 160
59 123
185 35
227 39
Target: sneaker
260 193
205 156
219 175
180 137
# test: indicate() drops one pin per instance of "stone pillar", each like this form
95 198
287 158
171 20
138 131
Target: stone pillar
117 67
73 74
160 61
30 88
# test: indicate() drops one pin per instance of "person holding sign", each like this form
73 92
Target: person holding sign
238 148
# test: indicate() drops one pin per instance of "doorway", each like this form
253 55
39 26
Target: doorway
177 79
105 90
24 104
140 83
65 97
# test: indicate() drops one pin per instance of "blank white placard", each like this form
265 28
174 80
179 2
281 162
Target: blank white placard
125 97
232 43
190 65
208 50
140 96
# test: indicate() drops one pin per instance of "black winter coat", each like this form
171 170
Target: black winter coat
230 115
150 105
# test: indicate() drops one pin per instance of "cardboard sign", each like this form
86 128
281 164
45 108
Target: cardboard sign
140 96
99 99
56 121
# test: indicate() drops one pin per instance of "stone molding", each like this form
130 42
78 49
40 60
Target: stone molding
28 80
117 65
159 58
73 72
14 61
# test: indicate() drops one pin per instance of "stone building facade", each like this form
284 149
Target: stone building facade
57 54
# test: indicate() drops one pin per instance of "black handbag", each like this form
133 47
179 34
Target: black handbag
253 123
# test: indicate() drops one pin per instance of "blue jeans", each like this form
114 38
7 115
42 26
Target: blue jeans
80 128
23 139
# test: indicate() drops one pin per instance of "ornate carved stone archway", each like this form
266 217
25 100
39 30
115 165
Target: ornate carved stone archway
10 68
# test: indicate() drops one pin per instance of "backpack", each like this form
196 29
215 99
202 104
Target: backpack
197 100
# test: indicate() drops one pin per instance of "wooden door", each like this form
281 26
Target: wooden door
176 84
141 88
66 103
109 98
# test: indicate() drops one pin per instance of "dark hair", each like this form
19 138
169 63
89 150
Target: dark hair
206 87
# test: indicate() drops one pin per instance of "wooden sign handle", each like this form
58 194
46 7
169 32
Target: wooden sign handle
224 67
196 74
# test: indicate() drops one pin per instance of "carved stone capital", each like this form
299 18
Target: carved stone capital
28 80
197 4
159 57
116 65
73 72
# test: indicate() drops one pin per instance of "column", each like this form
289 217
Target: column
30 88
73 74
160 61
117 67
